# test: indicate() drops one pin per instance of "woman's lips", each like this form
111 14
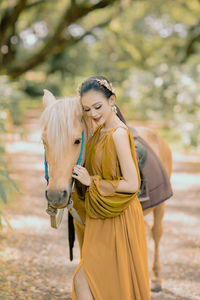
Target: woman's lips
97 120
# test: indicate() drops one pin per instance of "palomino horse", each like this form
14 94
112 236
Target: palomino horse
62 134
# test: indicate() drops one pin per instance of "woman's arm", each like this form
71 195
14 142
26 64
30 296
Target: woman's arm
130 183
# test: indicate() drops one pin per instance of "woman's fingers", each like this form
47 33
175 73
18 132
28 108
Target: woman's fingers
75 168
81 174
78 169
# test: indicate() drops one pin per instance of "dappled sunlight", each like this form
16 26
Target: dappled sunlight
185 181
181 157
35 136
39 166
182 218
36 247
31 143
153 61
24 146
11 253
176 290
33 223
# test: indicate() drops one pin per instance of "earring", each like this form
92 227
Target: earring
114 108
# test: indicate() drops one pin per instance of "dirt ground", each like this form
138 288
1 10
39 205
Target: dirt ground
34 258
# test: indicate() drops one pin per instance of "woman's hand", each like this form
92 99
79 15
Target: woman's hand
81 174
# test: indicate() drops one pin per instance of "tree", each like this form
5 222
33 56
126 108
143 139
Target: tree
35 19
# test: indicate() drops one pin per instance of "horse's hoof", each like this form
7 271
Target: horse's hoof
156 287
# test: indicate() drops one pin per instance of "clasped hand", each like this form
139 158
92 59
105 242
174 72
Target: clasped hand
81 174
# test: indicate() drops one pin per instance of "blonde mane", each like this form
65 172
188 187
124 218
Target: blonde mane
58 120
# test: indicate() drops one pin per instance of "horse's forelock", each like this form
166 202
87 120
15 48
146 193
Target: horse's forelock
58 120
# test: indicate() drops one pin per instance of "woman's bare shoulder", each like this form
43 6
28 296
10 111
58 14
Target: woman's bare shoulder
120 132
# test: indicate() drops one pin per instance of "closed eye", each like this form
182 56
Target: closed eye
88 109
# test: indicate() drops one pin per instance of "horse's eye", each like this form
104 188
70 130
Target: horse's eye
76 142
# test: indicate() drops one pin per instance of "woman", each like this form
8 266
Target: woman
114 262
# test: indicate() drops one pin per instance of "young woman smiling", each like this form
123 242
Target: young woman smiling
114 253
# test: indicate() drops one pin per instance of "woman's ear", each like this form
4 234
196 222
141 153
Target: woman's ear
112 100
48 98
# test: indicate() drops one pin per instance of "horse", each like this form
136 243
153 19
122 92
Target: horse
63 123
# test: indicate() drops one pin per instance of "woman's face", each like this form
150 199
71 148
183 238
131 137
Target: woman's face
97 106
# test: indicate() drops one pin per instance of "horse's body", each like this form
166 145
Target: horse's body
62 138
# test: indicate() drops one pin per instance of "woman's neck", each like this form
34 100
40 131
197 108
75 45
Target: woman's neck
112 122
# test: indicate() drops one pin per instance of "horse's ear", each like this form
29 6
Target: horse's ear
48 98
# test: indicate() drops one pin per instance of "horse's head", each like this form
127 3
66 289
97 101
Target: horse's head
62 137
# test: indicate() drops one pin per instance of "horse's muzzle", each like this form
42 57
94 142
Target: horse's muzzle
57 198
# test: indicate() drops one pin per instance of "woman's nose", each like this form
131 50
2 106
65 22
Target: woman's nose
93 113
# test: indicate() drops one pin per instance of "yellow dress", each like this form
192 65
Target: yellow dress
114 251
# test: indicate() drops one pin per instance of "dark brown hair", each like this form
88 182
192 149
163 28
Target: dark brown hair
102 85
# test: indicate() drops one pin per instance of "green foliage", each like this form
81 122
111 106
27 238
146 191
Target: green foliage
14 101
6 183
31 32
143 54
148 49
170 95
6 187
9 99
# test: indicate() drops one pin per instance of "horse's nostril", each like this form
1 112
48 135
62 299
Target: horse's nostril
64 194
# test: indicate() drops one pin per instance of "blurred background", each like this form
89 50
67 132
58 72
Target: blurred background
149 50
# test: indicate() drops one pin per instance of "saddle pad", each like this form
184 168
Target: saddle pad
155 175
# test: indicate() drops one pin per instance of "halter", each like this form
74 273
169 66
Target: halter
55 222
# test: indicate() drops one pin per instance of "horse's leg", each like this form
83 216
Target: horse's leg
81 286
157 230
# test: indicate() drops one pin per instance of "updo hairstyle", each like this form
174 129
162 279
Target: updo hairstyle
102 85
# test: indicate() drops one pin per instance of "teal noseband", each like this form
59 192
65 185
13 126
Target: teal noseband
78 162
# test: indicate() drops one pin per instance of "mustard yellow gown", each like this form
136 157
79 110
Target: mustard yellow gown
113 242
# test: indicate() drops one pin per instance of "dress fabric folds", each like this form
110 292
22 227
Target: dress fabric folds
113 242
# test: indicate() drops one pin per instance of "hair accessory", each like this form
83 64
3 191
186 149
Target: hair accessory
102 82
106 84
